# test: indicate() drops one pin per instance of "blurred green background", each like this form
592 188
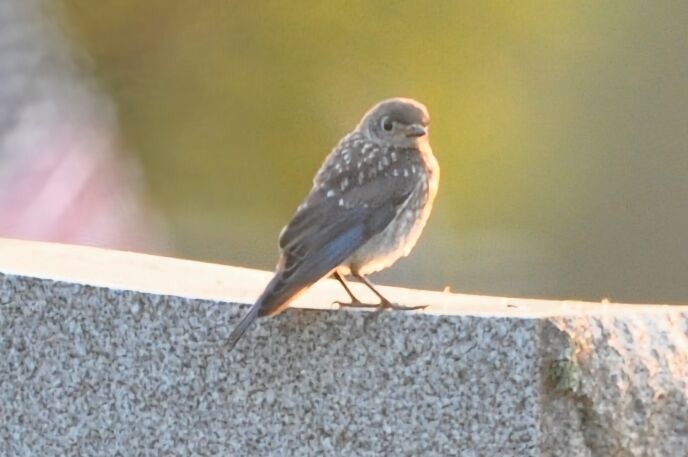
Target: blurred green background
561 129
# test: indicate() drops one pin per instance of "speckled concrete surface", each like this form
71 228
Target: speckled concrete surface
92 371
622 389
95 371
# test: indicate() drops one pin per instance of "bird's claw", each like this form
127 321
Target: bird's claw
384 304
396 307
356 304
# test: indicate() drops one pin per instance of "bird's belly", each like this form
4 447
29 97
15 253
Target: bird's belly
396 241
401 235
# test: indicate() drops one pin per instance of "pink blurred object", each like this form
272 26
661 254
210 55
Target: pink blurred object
72 188
62 177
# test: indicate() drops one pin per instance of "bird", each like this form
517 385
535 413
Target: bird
370 200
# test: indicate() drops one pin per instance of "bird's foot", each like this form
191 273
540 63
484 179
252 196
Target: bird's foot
397 307
384 304
356 304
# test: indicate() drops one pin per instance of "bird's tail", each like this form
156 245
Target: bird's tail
243 325
276 296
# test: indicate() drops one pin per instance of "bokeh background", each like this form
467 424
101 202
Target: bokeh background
561 129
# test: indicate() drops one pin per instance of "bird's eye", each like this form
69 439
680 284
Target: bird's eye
387 124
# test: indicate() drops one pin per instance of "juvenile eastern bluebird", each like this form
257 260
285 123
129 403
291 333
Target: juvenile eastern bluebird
368 205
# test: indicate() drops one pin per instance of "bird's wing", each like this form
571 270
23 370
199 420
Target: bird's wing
341 213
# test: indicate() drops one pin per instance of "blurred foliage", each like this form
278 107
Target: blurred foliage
560 128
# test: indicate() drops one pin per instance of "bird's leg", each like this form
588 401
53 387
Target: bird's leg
384 303
355 302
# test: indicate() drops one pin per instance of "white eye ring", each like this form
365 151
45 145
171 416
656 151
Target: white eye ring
387 124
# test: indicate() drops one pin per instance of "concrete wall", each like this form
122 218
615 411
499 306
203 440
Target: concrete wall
112 353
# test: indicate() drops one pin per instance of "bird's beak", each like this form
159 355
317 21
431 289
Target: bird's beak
416 130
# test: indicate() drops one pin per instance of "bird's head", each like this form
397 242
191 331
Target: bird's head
401 122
